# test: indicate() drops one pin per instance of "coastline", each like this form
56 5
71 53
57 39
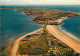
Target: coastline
52 29
68 33
15 47
64 31
72 43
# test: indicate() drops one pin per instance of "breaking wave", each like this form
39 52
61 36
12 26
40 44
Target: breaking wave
68 33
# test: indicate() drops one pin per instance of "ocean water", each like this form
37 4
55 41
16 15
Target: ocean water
14 24
71 26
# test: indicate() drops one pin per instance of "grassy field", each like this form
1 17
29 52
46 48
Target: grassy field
34 47
46 44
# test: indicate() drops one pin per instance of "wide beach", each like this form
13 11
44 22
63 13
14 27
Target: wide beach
72 43
52 29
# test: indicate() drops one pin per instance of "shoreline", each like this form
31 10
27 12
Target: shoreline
72 43
68 33
69 41
52 29
15 46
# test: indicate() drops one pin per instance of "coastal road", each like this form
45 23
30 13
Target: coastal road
15 47
74 44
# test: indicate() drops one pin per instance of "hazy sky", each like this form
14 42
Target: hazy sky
40 2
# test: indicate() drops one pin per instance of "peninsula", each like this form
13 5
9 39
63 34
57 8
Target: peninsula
48 40
48 16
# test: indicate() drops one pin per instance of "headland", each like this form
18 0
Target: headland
49 42
48 18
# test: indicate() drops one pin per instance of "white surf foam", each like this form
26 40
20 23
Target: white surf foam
68 33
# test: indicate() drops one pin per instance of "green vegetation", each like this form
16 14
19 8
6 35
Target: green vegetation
56 47
4 53
34 47
46 45
49 15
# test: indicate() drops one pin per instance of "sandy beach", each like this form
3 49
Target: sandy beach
15 46
72 43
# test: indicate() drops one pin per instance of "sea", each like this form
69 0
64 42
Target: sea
15 24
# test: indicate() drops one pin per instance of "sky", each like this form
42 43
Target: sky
39 2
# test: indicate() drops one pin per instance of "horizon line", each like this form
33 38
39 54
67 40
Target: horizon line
11 5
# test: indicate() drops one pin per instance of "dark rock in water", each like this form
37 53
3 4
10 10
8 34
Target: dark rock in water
2 49
43 15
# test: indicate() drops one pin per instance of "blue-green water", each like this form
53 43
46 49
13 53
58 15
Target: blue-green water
14 24
72 26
